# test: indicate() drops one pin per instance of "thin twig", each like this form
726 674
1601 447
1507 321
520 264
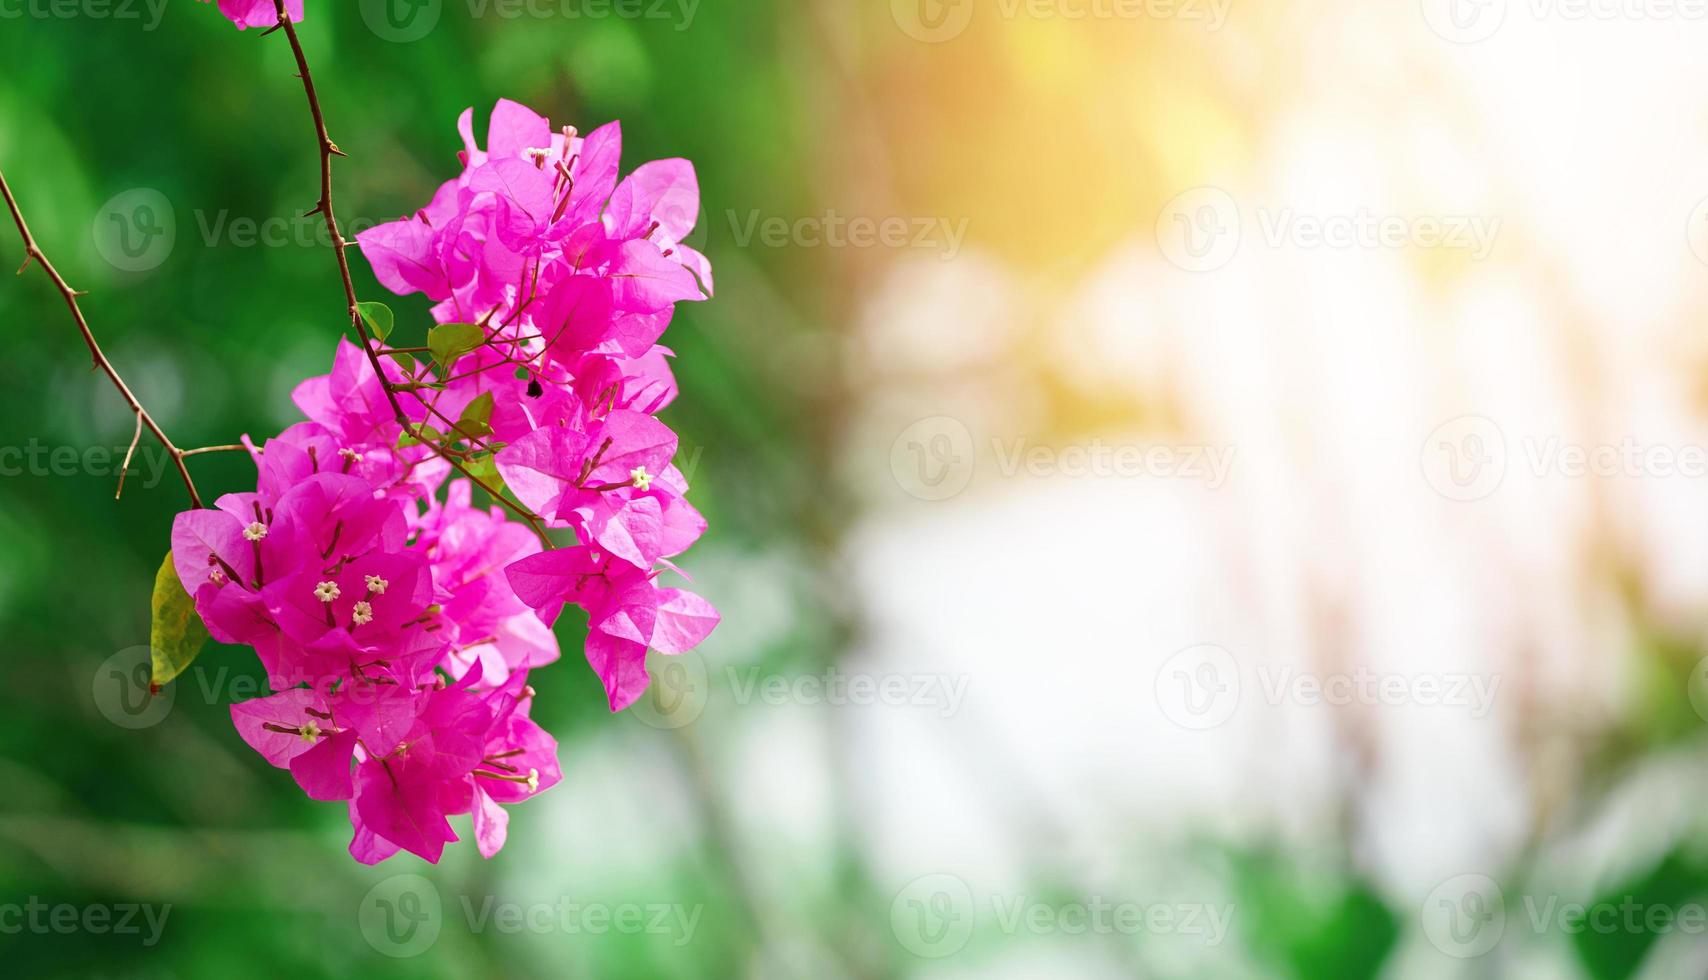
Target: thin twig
33 251
234 448
328 150
124 470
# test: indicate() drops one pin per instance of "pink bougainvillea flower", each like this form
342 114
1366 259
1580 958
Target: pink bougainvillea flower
487 622
258 13
627 612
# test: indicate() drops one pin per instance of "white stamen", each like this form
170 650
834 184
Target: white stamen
362 615
642 479
533 780
326 591
255 531
377 585
310 731
216 576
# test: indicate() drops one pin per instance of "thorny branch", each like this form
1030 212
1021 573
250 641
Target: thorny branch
323 207
144 420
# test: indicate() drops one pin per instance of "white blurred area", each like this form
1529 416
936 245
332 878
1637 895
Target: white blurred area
1331 547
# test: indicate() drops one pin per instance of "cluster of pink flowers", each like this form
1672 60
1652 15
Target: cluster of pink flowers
397 622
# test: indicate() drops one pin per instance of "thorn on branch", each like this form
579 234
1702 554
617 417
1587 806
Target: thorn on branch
333 149
26 265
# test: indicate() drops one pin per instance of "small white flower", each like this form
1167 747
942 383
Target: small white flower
533 780
255 531
349 454
537 154
362 615
642 479
326 591
310 731
377 585
216 575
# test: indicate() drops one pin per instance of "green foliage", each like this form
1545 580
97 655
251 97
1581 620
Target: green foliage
177 633
449 341
476 420
1622 923
378 317
1313 925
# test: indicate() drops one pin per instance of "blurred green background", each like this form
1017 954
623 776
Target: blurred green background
165 160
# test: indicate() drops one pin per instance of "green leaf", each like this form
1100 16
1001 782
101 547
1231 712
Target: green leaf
484 469
449 341
419 433
476 419
177 633
473 430
378 318
406 362
479 410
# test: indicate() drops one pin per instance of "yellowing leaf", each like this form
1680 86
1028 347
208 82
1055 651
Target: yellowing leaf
177 633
